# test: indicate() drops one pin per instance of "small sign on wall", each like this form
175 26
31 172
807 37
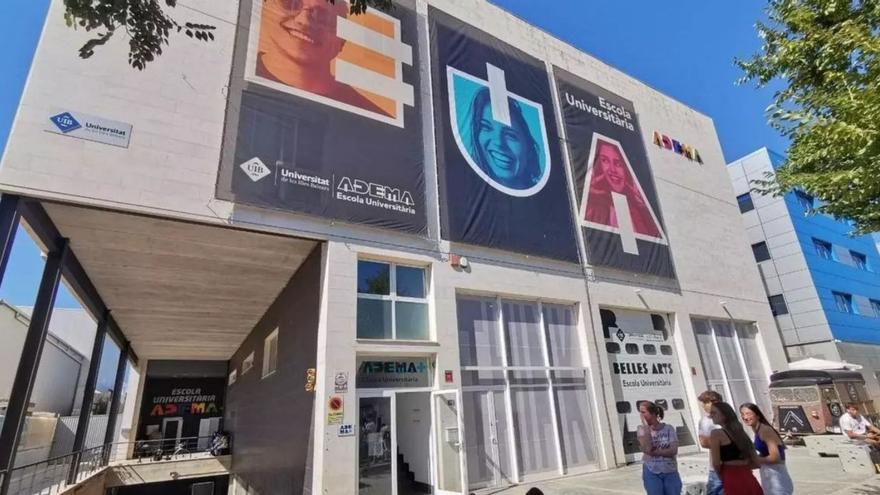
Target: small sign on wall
448 376
335 410
340 382
346 430
88 127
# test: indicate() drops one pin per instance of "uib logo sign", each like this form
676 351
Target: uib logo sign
65 122
501 135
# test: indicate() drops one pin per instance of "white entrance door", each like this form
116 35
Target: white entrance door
448 443
486 451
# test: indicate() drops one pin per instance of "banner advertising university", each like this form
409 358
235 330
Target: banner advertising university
323 114
617 202
644 366
502 182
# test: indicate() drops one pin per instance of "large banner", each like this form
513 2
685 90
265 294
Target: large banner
644 366
323 113
501 176
617 202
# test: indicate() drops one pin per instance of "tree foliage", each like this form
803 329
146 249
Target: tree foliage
149 24
827 54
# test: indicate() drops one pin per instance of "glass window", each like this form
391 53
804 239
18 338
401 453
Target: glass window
650 349
678 404
612 347
411 282
233 375
745 203
777 305
632 348
248 363
374 319
392 302
270 353
533 354
666 350
859 260
524 334
875 306
565 347
805 200
374 278
761 252
624 407
843 302
823 249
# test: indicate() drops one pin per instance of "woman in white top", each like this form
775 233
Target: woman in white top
659 444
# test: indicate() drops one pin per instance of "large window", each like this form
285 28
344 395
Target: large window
745 203
732 361
392 301
525 384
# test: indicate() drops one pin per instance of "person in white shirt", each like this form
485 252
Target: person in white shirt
856 427
707 398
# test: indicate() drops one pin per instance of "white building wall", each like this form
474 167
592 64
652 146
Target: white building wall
786 272
177 109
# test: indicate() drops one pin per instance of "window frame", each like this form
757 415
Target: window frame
844 302
546 371
247 363
826 247
266 372
745 206
393 298
860 261
773 306
875 305
756 248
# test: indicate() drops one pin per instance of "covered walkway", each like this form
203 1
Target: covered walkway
159 288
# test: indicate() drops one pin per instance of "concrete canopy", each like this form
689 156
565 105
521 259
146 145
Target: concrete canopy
179 290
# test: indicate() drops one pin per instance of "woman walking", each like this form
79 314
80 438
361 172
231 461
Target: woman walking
659 444
771 452
733 455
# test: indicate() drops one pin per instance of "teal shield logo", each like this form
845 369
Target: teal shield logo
501 135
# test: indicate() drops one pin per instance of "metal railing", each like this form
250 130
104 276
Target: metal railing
54 475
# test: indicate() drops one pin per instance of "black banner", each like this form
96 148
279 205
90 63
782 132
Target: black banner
501 176
323 116
188 400
617 201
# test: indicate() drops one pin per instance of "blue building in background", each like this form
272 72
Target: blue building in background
823 284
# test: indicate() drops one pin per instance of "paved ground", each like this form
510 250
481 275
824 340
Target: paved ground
812 476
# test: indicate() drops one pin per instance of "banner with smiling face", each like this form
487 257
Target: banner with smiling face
501 175
618 209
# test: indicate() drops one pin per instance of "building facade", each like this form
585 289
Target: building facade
437 247
822 282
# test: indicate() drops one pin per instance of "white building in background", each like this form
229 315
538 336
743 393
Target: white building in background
448 268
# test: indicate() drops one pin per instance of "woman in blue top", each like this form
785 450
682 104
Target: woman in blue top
659 444
771 452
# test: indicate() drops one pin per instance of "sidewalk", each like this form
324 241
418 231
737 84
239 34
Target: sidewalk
812 476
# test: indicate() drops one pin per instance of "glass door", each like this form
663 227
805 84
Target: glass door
375 466
448 443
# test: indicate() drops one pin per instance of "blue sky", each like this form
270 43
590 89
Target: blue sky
684 49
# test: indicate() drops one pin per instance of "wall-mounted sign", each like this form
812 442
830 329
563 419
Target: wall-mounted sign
310 379
88 127
448 375
346 430
393 372
340 382
335 410
685 150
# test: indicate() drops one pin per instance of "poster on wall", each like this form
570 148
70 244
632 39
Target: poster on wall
500 170
323 114
617 203
644 366
181 407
